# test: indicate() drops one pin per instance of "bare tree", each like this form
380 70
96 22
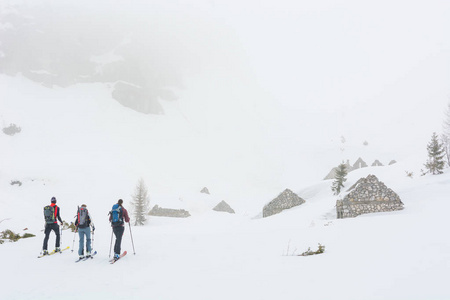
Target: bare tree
140 203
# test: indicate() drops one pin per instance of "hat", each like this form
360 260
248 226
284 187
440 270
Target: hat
53 200
83 205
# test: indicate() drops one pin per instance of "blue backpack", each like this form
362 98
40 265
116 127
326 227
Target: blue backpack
116 215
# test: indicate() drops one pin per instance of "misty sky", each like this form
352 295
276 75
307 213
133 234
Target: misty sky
267 74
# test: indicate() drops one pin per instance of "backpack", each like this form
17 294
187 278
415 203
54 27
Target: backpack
49 214
116 215
83 217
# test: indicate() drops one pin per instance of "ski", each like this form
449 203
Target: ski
86 257
54 252
114 260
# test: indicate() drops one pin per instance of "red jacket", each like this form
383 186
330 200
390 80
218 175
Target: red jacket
57 209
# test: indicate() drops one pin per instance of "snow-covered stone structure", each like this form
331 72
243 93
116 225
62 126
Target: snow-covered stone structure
205 190
224 207
368 195
168 212
377 163
287 199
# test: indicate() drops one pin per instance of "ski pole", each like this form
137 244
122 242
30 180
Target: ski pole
110 245
74 233
134 251
92 242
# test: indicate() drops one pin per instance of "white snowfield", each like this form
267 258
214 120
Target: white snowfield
63 152
397 255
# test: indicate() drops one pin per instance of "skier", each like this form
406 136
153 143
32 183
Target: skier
117 216
83 225
52 216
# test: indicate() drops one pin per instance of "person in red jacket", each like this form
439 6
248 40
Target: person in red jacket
118 226
54 226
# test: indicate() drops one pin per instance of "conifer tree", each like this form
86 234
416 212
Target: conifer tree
435 163
339 178
140 203
446 134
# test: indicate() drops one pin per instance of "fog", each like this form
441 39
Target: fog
268 81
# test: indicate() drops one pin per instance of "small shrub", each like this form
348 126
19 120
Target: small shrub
12 129
13 237
310 252
72 227
28 235
9 235
18 182
409 174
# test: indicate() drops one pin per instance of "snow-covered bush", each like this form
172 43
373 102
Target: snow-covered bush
308 252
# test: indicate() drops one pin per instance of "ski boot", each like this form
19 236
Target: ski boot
45 252
57 249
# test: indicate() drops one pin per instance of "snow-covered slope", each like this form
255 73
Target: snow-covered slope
77 145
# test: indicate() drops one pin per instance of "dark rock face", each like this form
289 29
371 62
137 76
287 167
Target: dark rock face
287 199
77 46
368 195
168 212
137 99
224 207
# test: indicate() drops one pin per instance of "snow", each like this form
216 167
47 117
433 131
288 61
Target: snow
63 151
81 146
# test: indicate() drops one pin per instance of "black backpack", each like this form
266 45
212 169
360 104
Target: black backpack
49 214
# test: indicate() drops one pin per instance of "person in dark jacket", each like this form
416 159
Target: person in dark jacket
118 227
54 226
83 223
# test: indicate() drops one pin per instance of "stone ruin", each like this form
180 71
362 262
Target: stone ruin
205 191
377 163
368 195
223 207
287 199
359 163
168 212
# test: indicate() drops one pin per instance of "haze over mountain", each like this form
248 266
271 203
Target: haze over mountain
269 87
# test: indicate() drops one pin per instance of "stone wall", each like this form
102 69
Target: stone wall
169 212
287 199
368 195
